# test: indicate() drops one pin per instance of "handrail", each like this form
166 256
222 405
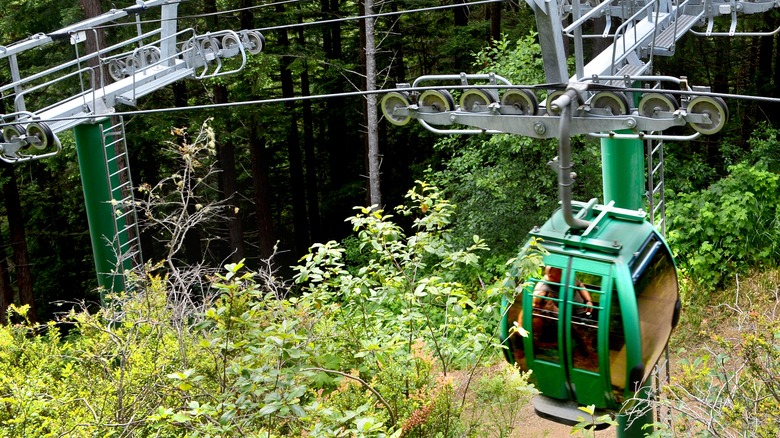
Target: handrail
630 21
586 17
87 70
75 61
458 131
748 34
461 77
644 136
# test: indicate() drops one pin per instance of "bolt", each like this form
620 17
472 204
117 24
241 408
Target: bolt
630 123
615 243
453 117
539 128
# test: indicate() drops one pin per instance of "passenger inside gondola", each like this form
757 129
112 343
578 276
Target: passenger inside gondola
550 287
546 304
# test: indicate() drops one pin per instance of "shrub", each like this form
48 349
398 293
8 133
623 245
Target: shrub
366 354
729 386
732 226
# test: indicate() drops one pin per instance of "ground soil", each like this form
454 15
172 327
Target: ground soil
531 425
528 424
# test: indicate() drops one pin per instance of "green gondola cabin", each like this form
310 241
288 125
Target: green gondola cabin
597 351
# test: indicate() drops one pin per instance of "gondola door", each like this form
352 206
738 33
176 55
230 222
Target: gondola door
586 321
565 342
544 346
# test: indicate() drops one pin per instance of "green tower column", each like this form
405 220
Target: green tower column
623 172
97 199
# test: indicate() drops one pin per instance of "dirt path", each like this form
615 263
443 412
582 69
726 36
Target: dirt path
531 425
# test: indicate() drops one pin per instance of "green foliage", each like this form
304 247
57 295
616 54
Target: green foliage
728 385
520 61
764 148
500 182
101 379
732 226
409 283
587 426
498 399
371 354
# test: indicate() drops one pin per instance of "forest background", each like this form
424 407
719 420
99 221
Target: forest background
289 174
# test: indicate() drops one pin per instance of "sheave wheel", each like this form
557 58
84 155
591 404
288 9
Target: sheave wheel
390 102
116 69
133 63
436 101
614 101
229 41
11 133
151 55
210 46
39 135
551 97
256 42
715 107
653 103
475 100
522 101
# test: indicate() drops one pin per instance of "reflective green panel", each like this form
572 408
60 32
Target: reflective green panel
655 283
617 348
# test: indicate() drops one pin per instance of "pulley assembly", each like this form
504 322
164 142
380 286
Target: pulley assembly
33 140
500 107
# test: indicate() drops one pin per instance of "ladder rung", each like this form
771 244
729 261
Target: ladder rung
656 168
657 147
123 215
129 242
124 169
115 142
122 246
127 200
128 256
117 126
115 157
658 187
121 185
125 203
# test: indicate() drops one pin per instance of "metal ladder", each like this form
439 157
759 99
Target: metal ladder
126 239
661 376
655 184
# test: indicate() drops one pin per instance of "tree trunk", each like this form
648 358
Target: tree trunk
335 30
262 193
764 73
398 69
295 158
227 158
368 37
495 21
18 241
312 192
6 291
776 80
337 153
260 178
95 40
461 13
